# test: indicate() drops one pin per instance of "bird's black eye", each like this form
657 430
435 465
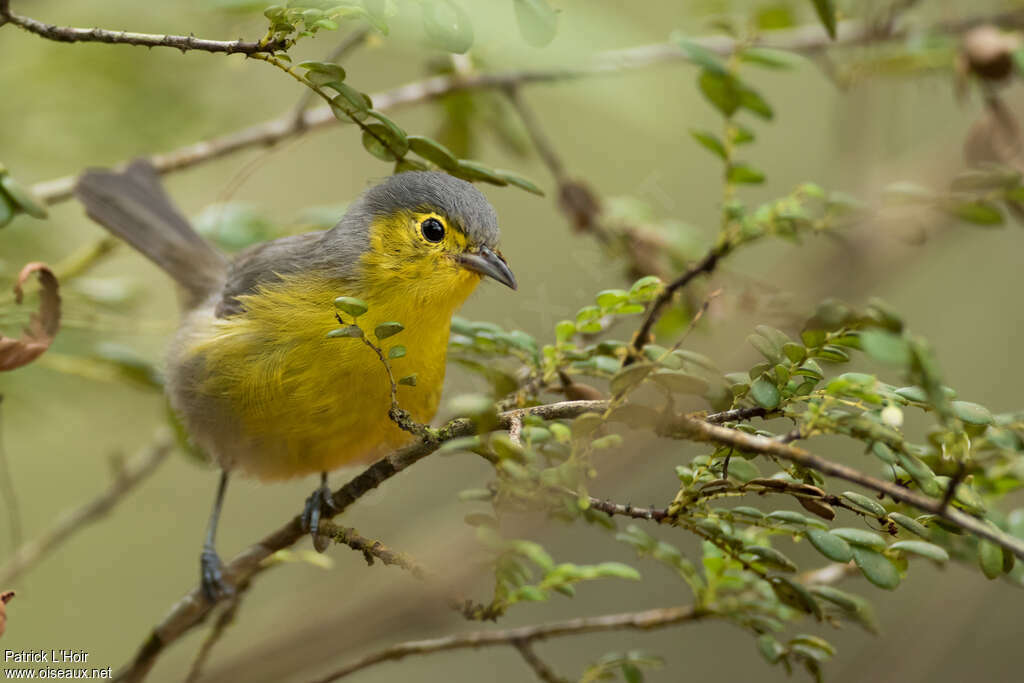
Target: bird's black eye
432 229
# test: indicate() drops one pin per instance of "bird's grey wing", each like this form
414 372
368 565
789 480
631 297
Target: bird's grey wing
265 263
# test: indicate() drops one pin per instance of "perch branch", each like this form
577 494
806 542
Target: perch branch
192 608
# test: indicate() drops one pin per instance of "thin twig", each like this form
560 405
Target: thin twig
703 267
224 620
74 520
68 34
644 620
545 148
804 39
539 666
372 549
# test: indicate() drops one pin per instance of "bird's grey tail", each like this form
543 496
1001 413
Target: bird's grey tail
133 206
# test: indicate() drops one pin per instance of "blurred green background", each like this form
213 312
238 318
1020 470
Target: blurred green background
66 107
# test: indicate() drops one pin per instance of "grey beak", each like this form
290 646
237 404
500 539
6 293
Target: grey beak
487 262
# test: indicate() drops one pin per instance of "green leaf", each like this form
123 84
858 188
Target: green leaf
827 14
629 376
922 549
752 101
766 347
349 103
861 538
980 212
538 22
911 525
7 210
21 197
408 380
433 151
471 170
765 393
388 329
519 181
710 142
680 382
771 557
876 567
990 559
864 503
722 91
702 57
332 71
447 25
395 131
972 413
771 58
351 305
618 570
831 546
397 351
564 330
350 331
743 470
741 172
885 347
770 648
795 595
380 141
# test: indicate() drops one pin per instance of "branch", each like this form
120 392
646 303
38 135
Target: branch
645 620
67 34
192 608
76 519
702 430
703 267
805 39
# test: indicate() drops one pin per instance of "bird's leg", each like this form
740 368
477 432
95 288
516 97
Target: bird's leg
319 502
210 567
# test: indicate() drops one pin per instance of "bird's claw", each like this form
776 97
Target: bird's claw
319 502
211 572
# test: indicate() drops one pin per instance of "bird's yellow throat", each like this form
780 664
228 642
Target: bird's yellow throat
302 403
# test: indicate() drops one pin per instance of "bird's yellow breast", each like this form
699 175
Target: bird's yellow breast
281 399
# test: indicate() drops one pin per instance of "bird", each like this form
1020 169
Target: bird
251 372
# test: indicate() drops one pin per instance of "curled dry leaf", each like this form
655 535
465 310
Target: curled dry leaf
5 598
42 326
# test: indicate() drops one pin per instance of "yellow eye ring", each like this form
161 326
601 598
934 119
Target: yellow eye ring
432 230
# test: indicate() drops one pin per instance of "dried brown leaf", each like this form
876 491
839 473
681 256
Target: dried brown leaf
42 326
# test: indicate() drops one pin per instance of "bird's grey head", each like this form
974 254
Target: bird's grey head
460 204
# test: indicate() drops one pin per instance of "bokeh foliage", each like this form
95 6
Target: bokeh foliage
854 373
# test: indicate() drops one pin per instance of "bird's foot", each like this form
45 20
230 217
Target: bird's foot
211 576
319 503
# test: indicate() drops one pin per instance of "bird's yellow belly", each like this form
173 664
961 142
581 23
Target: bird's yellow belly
266 392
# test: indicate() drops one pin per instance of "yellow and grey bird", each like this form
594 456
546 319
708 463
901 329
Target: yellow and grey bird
251 371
